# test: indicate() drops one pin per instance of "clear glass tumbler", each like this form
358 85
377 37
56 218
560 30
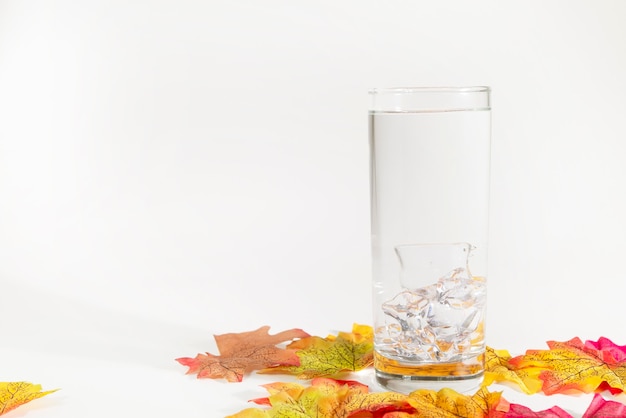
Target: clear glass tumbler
429 167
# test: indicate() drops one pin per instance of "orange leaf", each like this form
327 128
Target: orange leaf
572 367
14 394
243 352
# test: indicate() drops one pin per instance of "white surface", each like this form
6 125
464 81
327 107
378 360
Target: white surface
173 170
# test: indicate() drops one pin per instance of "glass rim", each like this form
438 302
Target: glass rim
429 99
433 89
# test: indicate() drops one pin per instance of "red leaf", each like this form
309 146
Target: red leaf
520 411
605 346
605 386
602 408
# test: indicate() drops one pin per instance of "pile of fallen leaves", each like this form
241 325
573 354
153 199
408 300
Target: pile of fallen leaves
326 398
570 367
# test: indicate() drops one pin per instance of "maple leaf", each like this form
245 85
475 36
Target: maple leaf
345 352
498 369
352 399
326 398
602 408
605 346
599 407
359 333
447 403
243 352
294 390
520 411
15 394
572 366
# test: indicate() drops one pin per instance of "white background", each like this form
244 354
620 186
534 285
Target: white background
171 170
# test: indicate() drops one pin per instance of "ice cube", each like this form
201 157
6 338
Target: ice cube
441 315
408 308
452 280
466 294
448 321
471 322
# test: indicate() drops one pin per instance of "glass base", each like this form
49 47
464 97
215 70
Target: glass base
407 384
464 377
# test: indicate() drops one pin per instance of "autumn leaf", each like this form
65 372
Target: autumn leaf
447 403
599 407
14 394
345 352
325 398
571 366
293 390
610 351
243 352
602 408
346 398
498 369
520 411
359 333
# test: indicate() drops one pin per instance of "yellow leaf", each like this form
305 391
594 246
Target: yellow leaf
498 369
346 352
571 367
360 333
293 389
14 394
251 413
448 403
325 398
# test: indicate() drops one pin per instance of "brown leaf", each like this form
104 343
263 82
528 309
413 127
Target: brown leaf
243 352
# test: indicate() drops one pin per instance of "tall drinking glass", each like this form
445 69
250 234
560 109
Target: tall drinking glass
429 167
